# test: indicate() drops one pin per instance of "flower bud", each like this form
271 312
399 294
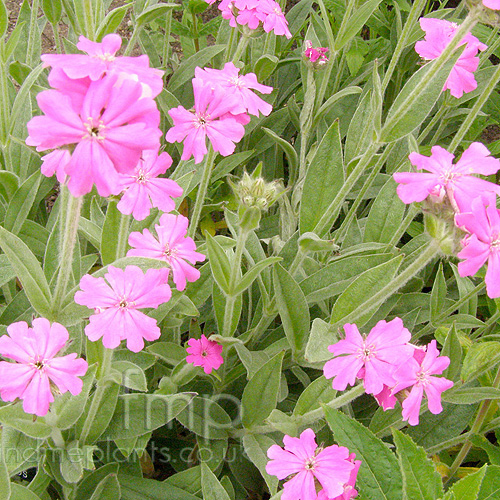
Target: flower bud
484 14
315 56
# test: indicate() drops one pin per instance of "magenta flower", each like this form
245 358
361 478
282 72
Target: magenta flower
56 163
329 468
444 177
272 17
372 359
211 117
102 59
206 353
418 374
240 86
315 55
483 244
172 246
385 398
36 366
349 488
492 4
110 131
144 189
116 305
438 34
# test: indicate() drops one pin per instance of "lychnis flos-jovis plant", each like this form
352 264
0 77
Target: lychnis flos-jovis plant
388 364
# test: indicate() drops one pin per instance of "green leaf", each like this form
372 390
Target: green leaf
9 182
219 263
354 24
265 66
5 486
256 447
479 358
133 376
20 492
4 19
468 487
421 481
210 485
379 477
260 395
111 22
28 270
89 483
360 290
112 232
438 294
316 393
490 487
324 178
467 396
453 350
409 110
154 11
219 304
253 273
107 489
293 309
134 488
361 128
288 149
322 335
138 414
205 418
385 216
7 272
14 416
52 10
185 72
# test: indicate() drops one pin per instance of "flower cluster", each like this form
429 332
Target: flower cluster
388 365
316 55
223 99
318 473
255 13
473 200
438 34
37 370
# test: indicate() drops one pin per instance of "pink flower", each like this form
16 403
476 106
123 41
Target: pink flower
36 366
444 177
112 128
172 246
331 467
492 4
438 34
205 353
116 305
349 488
240 86
483 244
315 55
102 59
144 189
385 398
211 118
272 17
56 163
418 374
372 359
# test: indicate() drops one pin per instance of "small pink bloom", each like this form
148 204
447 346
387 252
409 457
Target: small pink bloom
212 118
349 488
36 366
206 353
272 17
372 359
116 304
144 189
172 246
331 467
438 34
456 180
492 4
240 86
385 398
102 59
483 244
112 128
419 376
315 55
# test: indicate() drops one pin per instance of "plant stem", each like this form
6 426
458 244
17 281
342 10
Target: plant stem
98 395
69 220
133 40
399 281
202 191
242 45
475 428
57 38
472 115
435 119
415 12
196 40
32 33
123 233
413 210
5 108
166 38
231 297
229 47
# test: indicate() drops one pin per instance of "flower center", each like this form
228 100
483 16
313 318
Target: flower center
94 129
310 464
107 57
167 251
237 81
201 120
366 352
422 378
204 354
39 365
123 304
141 177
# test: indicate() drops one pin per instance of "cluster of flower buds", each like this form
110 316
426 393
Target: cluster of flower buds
389 366
316 56
254 14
